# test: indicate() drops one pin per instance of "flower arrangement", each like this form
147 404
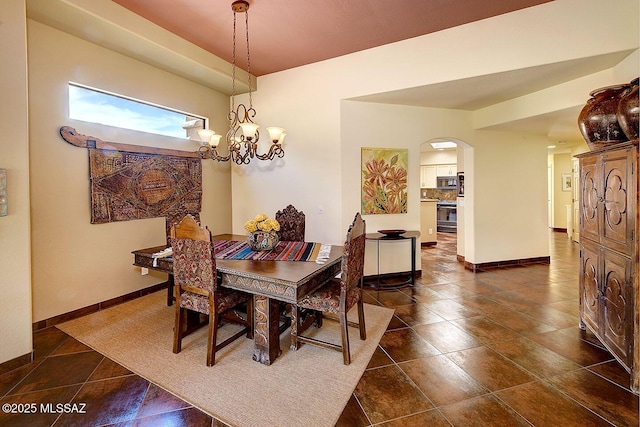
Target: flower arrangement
262 223
262 233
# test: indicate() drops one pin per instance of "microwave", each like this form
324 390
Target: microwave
446 182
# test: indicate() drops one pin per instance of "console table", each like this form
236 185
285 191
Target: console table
381 238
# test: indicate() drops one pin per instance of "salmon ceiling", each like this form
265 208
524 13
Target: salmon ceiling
291 33
288 33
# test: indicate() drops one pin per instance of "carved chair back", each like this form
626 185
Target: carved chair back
353 257
173 218
194 263
291 224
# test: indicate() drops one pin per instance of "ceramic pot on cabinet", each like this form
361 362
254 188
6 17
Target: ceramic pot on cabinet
629 111
598 120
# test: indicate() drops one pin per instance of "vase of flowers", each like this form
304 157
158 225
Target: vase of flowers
263 234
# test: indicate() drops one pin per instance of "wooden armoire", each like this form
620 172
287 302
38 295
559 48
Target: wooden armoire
609 294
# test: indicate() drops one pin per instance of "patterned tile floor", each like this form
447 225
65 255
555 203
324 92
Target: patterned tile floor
500 348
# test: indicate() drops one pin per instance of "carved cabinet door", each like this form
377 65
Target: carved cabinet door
609 272
619 200
590 196
617 304
589 285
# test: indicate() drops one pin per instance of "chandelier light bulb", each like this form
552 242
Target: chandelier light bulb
205 136
275 133
215 140
249 130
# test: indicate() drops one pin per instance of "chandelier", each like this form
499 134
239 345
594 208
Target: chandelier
243 135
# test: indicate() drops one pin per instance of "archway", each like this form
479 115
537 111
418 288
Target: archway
454 202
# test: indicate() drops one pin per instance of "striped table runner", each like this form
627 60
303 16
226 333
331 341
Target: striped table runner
284 251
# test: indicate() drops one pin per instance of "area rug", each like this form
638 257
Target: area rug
308 387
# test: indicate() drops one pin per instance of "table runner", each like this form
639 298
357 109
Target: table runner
284 251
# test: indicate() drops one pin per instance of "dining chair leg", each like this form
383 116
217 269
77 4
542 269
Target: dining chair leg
295 315
361 325
211 342
213 332
344 326
178 327
318 316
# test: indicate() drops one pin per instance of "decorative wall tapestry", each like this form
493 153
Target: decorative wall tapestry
135 182
384 181
126 186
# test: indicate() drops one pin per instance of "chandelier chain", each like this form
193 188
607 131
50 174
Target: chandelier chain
246 26
233 65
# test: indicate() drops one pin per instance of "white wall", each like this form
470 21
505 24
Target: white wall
561 165
310 174
15 257
393 126
506 198
439 157
76 263
324 131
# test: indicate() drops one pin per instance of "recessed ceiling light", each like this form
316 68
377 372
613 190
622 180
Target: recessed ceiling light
551 146
444 144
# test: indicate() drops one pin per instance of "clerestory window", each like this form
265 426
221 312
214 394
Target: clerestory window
98 106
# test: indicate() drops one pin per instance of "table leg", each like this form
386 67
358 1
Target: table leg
410 281
170 284
266 334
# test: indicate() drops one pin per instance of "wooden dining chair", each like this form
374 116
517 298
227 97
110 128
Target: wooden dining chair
196 288
336 297
291 224
174 217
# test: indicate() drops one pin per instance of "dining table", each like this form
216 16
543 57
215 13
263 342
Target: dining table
269 281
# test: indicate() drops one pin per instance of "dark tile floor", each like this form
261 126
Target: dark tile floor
500 347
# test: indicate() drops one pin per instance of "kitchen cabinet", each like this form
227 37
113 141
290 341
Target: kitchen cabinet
609 292
428 223
428 177
446 170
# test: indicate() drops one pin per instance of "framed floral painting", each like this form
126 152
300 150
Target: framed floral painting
384 181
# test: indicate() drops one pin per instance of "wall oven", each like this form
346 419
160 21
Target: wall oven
446 182
447 216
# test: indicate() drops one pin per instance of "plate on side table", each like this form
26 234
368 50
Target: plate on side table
392 233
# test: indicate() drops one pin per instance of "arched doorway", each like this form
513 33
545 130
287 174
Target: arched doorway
445 164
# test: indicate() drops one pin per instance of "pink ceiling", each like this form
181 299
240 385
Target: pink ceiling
289 33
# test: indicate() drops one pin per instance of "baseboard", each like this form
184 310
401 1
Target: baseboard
394 275
15 363
558 230
484 266
52 321
423 244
